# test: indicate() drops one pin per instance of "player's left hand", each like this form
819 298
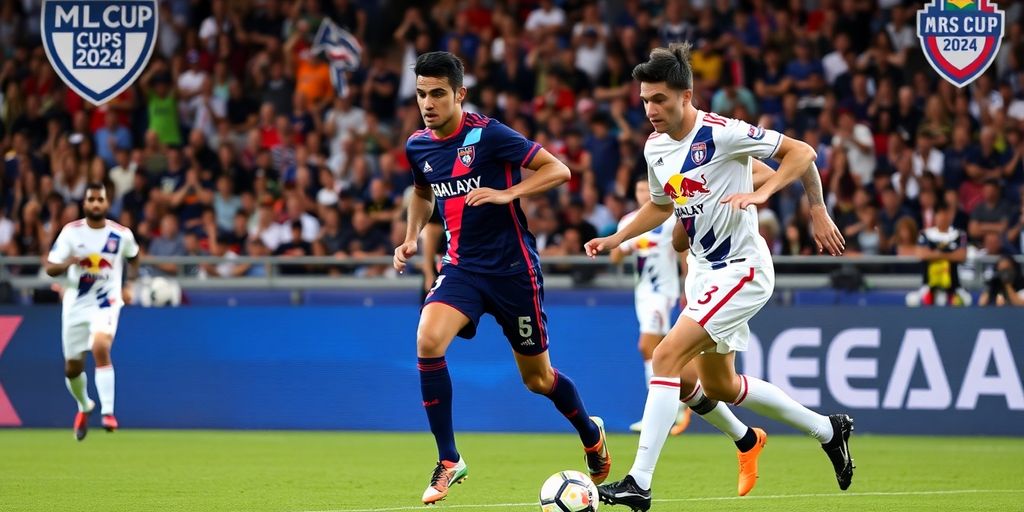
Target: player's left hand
486 195
741 201
826 235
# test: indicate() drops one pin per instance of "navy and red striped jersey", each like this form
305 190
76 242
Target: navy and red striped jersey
482 152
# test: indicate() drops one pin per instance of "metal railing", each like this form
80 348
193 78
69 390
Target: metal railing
792 272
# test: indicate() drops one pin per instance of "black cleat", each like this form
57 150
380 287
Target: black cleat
838 449
626 492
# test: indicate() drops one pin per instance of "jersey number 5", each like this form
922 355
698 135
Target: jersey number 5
707 296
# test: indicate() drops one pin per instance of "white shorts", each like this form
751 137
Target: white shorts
654 312
79 324
724 300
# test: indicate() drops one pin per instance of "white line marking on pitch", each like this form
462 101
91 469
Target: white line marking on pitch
678 500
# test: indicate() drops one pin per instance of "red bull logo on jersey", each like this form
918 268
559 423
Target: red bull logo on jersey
960 38
466 155
698 152
681 188
94 264
94 268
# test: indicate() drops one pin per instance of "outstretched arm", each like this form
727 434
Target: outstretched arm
648 217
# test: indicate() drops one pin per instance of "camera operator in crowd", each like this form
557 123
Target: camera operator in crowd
1007 285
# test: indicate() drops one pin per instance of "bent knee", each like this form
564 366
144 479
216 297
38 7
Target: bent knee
73 368
721 391
540 383
430 343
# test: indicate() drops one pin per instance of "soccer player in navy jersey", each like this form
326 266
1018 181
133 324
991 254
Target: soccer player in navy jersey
470 165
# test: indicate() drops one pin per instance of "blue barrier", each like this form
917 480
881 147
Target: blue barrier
922 371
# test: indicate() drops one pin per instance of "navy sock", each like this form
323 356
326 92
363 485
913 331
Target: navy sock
436 386
567 401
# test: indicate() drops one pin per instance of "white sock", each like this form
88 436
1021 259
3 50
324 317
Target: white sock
105 388
648 372
79 388
659 416
720 416
766 399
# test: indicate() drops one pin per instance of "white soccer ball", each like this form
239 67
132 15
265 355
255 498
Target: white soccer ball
568 491
162 292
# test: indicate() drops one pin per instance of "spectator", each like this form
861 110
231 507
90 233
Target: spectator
8 247
866 236
943 248
907 237
992 215
296 247
168 242
161 104
856 140
112 138
226 203
1006 287
545 19
365 241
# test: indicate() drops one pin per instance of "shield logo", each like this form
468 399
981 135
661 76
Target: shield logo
99 48
466 154
960 38
113 243
698 152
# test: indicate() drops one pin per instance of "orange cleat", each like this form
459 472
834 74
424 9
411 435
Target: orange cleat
599 459
748 463
109 422
446 473
682 421
81 426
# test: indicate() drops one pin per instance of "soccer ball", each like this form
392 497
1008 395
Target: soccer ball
568 491
161 292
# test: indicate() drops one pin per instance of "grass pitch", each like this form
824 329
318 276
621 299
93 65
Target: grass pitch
152 470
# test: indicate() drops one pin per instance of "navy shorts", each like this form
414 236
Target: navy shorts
516 301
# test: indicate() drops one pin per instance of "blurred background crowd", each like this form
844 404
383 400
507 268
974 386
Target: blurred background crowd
235 142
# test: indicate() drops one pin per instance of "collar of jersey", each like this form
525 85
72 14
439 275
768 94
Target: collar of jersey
462 122
696 126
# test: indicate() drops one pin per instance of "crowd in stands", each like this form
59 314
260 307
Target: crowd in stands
235 142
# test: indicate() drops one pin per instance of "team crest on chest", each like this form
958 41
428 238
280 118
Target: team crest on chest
698 152
466 155
113 243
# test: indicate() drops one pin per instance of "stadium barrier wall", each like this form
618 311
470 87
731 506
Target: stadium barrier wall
901 371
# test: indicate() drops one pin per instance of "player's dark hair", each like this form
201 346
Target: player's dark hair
95 186
441 65
670 65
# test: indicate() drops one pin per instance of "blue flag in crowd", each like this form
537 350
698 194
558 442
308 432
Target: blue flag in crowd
342 50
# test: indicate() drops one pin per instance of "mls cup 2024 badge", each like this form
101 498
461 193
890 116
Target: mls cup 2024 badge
99 47
960 38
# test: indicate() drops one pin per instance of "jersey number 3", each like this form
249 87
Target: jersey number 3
707 296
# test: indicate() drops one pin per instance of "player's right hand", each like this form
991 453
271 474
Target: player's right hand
599 245
402 254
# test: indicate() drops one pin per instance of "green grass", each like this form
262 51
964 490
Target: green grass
46 470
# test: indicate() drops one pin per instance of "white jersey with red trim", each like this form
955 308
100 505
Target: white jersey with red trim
95 280
696 173
657 263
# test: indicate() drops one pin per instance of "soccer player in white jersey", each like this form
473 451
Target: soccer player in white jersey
699 166
90 253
